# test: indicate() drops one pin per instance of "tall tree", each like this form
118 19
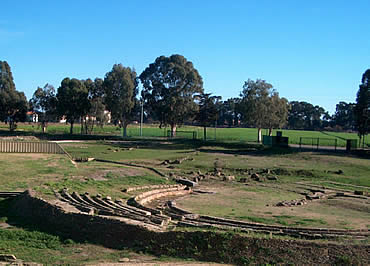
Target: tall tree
13 104
262 107
229 112
303 115
344 115
208 111
6 77
73 100
362 108
279 108
44 103
96 113
170 84
120 85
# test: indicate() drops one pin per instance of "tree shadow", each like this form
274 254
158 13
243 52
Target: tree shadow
331 135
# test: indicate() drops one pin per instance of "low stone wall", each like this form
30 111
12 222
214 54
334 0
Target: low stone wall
159 193
146 197
199 245
130 189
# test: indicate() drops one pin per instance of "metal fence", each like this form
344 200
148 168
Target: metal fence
183 134
30 147
315 143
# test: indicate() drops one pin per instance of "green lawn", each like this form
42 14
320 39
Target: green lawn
219 134
253 202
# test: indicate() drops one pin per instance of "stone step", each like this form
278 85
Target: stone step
128 208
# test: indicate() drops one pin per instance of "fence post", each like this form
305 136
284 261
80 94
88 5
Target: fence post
335 145
318 139
300 143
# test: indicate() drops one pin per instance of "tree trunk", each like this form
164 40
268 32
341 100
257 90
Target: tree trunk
173 131
12 125
82 126
71 128
43 127
270 132
124 126
205 133
259 137
125 130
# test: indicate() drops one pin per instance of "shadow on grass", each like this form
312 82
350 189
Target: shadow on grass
33 229
331 135
226 147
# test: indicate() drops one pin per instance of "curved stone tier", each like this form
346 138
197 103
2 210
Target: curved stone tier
131 189
136 209
105 206
189 219
140 200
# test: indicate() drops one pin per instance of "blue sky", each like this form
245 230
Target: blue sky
314 51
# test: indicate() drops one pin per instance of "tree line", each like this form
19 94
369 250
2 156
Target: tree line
173 94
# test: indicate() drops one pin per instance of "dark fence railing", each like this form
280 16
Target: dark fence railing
315 143
30 147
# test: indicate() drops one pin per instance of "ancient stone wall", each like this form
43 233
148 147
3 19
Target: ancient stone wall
200 245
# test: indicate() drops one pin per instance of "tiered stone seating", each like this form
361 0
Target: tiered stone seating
98 205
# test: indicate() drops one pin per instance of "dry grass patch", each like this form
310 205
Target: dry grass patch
256 203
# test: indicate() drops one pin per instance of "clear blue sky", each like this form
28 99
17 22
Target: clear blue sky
314 51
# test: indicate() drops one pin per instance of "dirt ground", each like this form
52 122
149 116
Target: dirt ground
254 202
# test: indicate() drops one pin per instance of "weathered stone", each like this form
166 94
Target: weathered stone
8 257
243 180
228 178
256 177
124 260
186 182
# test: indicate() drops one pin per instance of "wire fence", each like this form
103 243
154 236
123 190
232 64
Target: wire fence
316 143
183 134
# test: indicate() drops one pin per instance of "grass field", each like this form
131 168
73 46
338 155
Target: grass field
219 134
252 202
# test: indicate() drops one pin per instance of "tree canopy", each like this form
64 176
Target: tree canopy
303 115
344 115
44 103
208 111
120 86
13 104
170 84
262 107
229 112
362 108
96 114
73 100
